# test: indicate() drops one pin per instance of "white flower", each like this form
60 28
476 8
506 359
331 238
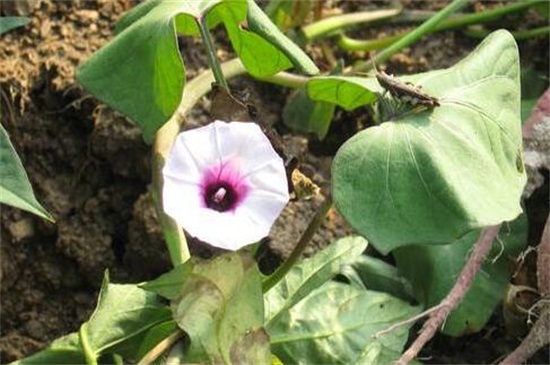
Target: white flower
225 184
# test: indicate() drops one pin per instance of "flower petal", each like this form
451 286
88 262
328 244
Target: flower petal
253 149
239 154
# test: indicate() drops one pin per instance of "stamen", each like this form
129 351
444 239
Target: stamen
219 195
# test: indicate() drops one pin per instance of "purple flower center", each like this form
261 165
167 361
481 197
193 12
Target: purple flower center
223 188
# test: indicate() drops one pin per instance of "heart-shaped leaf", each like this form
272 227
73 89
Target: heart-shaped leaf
431 176
433 270
141 74
335 324
220 307
15 188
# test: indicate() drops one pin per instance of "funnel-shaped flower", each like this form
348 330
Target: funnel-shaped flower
225 184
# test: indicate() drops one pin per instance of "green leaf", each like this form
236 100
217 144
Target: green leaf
304 115
15 188
335 325
287 14
311 273
136 347
259 57
8 23
64 350
376 353
375 274
348 92
135 14
220 307
431 176
169 285
122 312
433 270
260 24
141 74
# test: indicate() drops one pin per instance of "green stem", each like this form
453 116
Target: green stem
334 23
531 33
314 224
413 36
211 54
523 34
164 140
287 79
351 44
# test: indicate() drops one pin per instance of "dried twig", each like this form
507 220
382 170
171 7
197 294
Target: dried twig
455 296
536 339
539 335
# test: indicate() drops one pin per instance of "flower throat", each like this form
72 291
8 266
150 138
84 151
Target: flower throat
220 197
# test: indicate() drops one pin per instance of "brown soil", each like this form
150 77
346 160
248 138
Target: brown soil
91 169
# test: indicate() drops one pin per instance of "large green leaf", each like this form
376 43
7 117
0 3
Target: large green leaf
310 274
221 309
433 270
122 312
15 188
64 350
335 325
431 176
141 74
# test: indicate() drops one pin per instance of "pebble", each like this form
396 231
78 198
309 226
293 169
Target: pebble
86 16
21 229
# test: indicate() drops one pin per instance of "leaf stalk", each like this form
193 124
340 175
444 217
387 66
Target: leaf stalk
335 23
211 54
425 28
351 44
